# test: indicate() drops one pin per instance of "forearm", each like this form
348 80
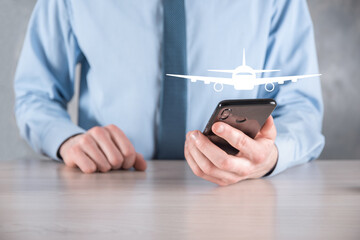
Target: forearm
44 80
298 116
299 137
44 123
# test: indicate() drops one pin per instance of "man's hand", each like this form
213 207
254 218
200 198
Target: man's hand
256 157
101 149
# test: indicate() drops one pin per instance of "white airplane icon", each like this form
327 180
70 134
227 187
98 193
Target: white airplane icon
244 78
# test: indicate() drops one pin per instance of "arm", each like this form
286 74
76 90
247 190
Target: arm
44 84
295 137
44 81
298 117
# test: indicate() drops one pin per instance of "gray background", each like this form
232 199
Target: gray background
337 29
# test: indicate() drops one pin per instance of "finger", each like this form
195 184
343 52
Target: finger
110 150
268 130
235 164
198 172
124 144
234 137
90 147
140 163
210 169
69 161
81 160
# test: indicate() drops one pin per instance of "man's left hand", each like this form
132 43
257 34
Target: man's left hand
256 156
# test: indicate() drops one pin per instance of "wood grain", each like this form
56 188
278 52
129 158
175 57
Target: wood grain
42 199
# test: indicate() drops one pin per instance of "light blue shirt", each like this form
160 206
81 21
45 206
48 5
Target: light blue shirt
119 43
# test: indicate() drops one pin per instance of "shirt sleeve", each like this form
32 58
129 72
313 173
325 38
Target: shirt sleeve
298 116
44 80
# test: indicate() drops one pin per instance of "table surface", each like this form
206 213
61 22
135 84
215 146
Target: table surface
43 199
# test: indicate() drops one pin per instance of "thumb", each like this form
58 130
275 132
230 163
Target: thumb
268 130
140 163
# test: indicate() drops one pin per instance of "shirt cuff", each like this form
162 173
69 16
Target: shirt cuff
286 150
56 134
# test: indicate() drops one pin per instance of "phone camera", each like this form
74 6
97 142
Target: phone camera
225 114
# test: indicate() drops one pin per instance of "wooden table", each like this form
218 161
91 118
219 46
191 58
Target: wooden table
42 199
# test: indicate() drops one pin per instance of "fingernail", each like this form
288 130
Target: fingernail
219 129
194 135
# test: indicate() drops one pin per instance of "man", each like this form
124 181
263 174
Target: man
129 110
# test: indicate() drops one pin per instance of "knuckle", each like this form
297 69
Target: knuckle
233 180
85 140
241 140
188 135
97 131
198 172
128 152
92 168
89 169
112 127
230 180
116 165
120 159
222 184
69 162
245 172
226 182
71 151
186 154
207 169
227 130
75 150
225 163
261 157
105 168
116 162
114 130
201 144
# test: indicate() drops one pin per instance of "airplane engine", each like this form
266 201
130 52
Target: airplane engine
269 87
218 87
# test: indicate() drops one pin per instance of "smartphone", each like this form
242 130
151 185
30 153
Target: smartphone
247 115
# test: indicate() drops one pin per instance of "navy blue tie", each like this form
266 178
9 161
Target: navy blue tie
173 99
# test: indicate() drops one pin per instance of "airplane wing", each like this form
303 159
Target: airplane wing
223 71
265 71
281 80
232 71
206 80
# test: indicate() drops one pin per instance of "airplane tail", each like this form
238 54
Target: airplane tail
244 58
244 65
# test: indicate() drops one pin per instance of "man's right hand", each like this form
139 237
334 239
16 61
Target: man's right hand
101 149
